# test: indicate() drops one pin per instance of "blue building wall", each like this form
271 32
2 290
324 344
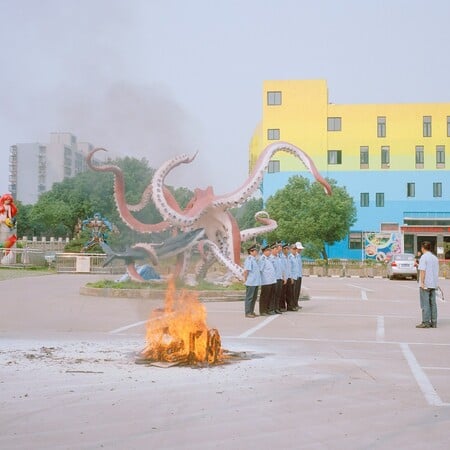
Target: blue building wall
396 203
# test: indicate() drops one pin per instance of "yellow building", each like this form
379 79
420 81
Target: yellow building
392 158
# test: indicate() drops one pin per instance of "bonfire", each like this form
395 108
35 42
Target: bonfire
178 333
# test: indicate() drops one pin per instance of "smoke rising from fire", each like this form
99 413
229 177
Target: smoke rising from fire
141 121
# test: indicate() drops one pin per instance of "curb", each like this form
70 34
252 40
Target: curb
159 294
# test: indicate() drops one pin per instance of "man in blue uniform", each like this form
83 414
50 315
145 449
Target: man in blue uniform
274 305
252 281
284 301
294 270
268 281
298 282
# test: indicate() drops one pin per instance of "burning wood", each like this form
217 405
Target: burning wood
178 333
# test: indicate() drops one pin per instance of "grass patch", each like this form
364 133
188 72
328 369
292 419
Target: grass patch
8 273
202 286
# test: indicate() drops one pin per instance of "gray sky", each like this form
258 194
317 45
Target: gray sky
157 78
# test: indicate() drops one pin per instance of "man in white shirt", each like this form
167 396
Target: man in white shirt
428 281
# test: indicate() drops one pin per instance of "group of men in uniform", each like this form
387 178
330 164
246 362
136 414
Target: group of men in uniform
278 271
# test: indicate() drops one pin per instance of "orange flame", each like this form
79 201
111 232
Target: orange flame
179 333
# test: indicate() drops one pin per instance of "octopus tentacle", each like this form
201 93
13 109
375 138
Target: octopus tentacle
193 211
133 273
131 267
204 262
119 195
241 194
237 270
268 226
150 249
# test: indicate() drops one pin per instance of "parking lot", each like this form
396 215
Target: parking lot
349 370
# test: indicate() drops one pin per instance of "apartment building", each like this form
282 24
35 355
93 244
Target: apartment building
393 160
34 167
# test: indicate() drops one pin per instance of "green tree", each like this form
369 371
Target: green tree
245 214
24 226
58 211
304 212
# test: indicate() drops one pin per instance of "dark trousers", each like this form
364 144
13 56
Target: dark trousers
290 300
265 298
251 294
276 296
297 289
284 295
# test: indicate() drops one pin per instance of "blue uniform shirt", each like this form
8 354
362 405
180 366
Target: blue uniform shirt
286 273
253 275
276 261
300 264
267 271
293 266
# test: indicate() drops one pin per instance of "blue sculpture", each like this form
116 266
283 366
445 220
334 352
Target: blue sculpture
99 227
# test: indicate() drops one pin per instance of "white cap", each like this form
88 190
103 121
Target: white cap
299 245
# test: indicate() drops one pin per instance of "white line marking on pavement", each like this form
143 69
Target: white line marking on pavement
355 299
336 341
380 328
118 330
360 287
259 326
394 316
363 294
436 368
422 380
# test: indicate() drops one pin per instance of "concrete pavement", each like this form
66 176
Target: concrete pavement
350 370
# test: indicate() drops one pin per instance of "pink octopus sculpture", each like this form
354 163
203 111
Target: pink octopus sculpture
206 210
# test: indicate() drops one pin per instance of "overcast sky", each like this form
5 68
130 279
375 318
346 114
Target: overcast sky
157 78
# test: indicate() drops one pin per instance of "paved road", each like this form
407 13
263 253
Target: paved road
348 371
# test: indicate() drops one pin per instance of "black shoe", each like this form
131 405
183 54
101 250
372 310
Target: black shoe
271 313
263 314
291 309
277 311
423 325
433 324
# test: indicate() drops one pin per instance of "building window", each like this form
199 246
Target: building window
334 124
381 126
364 199
448 126
274 98
437 189
379 199
410 189
274 166
364 155
420 158
440 156
385 156
273 134
334 156
355 240
426 126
